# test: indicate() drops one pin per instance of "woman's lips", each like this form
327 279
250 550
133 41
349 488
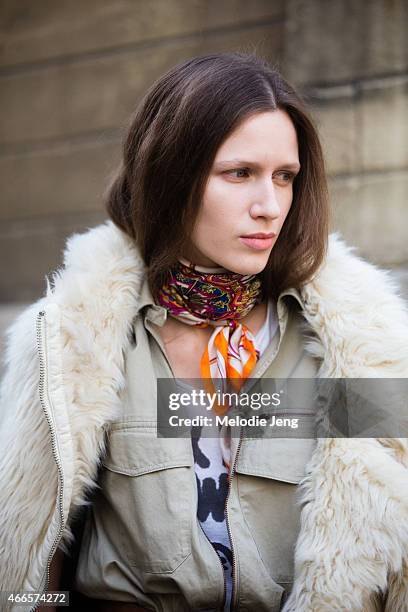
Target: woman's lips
259 244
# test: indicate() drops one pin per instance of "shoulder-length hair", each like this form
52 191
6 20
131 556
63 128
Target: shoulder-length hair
169 149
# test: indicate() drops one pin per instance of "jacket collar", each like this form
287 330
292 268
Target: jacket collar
156 313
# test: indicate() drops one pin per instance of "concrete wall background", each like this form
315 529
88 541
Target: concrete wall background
351 59
70 79
71 74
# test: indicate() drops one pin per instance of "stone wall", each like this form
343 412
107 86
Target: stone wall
351 59
71 76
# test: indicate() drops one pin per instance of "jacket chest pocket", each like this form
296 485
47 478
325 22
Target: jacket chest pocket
148 483
268 471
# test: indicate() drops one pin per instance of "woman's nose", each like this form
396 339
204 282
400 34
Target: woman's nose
267 203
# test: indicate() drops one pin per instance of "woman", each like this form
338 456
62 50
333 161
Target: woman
173 285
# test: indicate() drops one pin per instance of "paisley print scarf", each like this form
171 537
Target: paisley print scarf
201 296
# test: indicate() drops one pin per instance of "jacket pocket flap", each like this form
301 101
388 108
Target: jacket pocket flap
282 459
136 450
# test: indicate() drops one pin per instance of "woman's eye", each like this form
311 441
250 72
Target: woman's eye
287 176
245 170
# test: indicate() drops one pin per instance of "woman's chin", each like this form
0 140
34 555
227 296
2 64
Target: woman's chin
242 265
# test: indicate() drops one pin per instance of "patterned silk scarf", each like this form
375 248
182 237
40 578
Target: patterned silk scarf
201 296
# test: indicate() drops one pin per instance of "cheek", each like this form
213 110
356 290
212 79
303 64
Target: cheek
219 207
286 205
212 224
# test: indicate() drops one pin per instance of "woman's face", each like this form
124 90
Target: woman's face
249 191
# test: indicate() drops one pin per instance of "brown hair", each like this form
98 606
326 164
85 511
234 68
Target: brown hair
170 146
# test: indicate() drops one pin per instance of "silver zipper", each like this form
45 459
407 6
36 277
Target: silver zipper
42 393
229 534
234 577
224 594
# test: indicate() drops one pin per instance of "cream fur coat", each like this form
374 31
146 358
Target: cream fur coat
64 374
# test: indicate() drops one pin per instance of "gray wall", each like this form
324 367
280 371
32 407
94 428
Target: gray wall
71 74
351 60
70 79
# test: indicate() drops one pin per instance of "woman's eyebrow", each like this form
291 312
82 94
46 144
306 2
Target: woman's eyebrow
229 162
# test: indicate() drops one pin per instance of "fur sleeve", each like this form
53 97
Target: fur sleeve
28 473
